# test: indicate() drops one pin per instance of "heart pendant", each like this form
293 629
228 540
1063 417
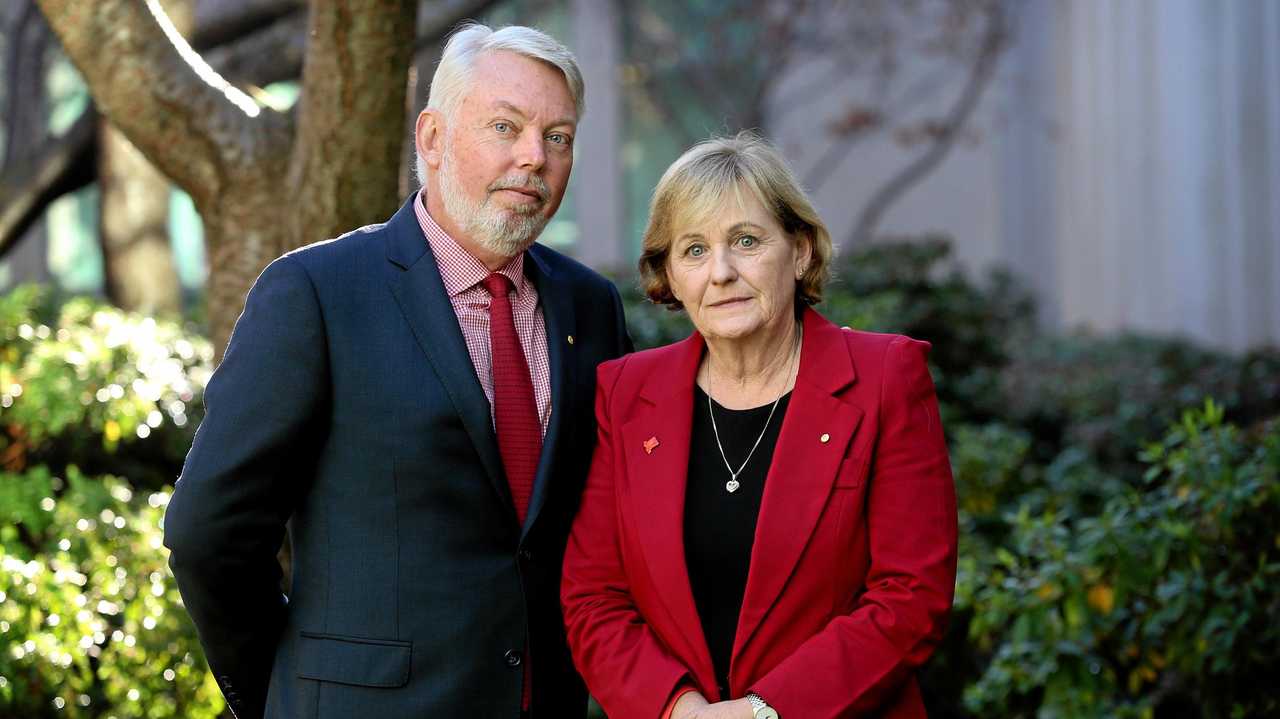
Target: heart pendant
732 485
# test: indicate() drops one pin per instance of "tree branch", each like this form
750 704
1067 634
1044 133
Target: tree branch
218 22
264 55
983 67
64 164
190 130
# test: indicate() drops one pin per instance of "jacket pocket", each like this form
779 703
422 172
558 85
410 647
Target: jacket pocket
853 472
354 660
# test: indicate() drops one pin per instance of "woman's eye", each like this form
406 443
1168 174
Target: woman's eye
748 241
697 251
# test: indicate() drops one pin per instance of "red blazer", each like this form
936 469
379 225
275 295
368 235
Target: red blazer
853 567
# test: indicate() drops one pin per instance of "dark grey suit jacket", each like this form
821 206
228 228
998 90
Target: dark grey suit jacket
347 409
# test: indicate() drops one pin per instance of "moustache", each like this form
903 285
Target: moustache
530 183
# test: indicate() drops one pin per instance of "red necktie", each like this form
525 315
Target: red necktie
515 411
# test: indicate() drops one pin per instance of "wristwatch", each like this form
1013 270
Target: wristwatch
761 709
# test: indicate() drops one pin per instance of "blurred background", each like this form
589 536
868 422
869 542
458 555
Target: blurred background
1076 201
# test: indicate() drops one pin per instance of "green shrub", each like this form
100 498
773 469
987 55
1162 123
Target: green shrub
87 384
1168 596
1107 395
91 623
97 408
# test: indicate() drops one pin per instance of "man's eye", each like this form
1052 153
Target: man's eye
501 126
558 138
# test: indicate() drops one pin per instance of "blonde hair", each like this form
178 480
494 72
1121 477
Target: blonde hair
701 179
449 85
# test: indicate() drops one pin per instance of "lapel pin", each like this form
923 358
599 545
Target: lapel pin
649 444
824 438
570 339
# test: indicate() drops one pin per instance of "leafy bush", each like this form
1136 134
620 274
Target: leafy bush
91 385
1106 395
1169 596
90 622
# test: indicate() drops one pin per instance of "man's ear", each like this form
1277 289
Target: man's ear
428 136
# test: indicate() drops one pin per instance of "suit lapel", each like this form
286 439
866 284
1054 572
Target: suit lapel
656 450
558 316
803 469
421 296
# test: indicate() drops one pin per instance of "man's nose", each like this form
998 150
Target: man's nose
531 155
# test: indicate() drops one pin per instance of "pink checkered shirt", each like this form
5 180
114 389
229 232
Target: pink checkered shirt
462 275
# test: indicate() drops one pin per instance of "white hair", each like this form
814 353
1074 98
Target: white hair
470 41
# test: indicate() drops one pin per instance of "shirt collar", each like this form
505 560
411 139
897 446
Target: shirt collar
459 269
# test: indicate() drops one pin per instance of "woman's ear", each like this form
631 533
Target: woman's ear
804 252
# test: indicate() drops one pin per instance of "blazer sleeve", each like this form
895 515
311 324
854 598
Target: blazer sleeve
626 667
859 661
226 520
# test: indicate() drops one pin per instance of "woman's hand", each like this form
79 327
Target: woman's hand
688 705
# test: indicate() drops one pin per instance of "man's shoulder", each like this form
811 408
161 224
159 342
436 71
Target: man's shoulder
344 248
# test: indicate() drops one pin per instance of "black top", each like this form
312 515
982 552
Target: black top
720 526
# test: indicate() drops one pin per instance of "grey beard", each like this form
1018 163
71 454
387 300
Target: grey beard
485 224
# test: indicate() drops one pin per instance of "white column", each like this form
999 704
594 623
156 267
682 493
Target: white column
597 169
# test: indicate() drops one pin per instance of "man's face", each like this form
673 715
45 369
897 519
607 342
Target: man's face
506 153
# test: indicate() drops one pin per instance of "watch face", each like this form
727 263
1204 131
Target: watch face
767 713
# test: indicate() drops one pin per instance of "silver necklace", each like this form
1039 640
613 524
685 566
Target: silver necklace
732 485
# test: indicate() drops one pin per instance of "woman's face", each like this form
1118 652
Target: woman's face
736 271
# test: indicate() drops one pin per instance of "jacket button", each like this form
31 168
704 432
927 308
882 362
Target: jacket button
526 555
513 658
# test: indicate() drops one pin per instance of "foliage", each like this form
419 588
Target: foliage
1107 395
1169 595
88 383
91 623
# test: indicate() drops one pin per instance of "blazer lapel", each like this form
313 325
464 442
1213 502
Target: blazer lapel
421 296
656 451
803 469
558 316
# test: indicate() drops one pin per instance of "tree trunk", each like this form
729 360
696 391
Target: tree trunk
264 183
133 230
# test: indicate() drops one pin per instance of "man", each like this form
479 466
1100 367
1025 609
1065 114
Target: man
413 400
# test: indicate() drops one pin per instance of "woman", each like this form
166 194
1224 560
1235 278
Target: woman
769 525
